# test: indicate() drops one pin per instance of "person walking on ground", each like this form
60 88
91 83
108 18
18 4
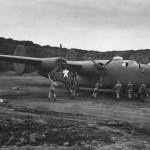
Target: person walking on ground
118 89
75 85
143 91
52 93
130 90
97 86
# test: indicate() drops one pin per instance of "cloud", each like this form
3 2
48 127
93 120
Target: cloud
87 24
88 14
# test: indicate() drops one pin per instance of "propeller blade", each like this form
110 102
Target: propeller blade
53 71
98 66
107 62
93 61
61 54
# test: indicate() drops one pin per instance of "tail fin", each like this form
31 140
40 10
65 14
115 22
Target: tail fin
18 67
71 55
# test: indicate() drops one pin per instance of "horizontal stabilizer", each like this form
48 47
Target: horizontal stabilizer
20 60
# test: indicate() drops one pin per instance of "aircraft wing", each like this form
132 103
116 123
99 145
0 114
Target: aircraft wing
76 65
21 59
88 67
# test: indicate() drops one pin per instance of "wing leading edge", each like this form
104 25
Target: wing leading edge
20 59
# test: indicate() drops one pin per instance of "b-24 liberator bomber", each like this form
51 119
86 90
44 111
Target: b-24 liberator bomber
88 72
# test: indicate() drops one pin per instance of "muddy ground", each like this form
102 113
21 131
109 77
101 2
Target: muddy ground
29 121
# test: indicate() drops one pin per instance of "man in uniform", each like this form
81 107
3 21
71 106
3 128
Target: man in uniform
52 93
118 89
143 91
75 85
97 86
130 89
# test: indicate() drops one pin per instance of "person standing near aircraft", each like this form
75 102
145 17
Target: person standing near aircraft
118 89
130 89
75 85
52 93
97 86
143 91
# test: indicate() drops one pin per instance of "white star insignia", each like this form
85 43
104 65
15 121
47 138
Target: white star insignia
65 73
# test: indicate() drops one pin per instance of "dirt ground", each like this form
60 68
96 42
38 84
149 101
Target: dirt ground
28 121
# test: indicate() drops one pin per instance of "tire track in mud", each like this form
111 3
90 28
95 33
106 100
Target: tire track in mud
27 126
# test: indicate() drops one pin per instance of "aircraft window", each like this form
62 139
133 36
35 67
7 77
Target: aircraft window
129 63
125 64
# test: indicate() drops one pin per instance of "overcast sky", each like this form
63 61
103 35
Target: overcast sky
101 25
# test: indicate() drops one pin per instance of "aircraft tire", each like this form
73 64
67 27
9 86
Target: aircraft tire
136 95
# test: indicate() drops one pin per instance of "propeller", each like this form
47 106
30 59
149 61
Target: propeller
60 63
100 68
61 52
108 62
63 64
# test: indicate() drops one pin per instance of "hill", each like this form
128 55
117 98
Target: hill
7 47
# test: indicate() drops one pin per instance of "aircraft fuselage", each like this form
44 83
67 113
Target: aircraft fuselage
122 70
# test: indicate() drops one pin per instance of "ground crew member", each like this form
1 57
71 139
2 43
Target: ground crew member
97 86
68 88
118 89
52 93
143 91
130 89
75 85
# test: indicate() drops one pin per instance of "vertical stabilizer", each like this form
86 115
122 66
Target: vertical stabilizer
71 55
18 67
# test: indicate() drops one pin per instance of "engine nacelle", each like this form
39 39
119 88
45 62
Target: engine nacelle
48 64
